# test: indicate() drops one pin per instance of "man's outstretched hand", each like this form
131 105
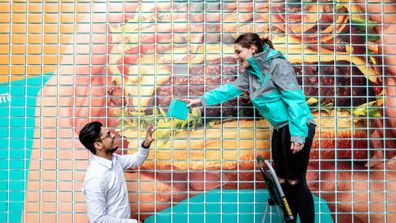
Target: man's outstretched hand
149 135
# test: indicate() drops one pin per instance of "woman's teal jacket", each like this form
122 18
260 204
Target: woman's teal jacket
273 90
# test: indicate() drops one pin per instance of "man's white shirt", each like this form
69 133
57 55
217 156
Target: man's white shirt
105 188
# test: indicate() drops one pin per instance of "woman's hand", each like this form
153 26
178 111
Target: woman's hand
296 147
192 102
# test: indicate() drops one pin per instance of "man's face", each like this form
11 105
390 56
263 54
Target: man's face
106 139
242 54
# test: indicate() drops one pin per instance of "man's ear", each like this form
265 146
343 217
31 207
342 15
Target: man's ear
98 145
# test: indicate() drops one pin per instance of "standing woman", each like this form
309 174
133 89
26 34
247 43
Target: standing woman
275 93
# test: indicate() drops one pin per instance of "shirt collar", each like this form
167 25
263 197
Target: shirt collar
104 162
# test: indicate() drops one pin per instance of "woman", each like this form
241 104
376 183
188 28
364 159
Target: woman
274 91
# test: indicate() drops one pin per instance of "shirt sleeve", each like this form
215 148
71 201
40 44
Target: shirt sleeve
283 76
133 160
226 92
95 193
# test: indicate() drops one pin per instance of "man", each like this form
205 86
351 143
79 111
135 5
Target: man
104 186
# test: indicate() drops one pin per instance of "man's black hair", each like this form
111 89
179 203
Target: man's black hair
90 134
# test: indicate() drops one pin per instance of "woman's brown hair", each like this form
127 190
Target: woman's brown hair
248 39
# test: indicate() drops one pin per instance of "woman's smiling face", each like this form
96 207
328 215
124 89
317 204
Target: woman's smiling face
242 54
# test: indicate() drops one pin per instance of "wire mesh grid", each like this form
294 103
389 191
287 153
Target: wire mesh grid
64 63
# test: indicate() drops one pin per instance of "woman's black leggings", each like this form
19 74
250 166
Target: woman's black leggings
300 200
291 166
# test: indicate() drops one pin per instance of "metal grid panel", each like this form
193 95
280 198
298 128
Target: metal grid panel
120 61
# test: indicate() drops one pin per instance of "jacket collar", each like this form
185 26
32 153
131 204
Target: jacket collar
267 55
254 68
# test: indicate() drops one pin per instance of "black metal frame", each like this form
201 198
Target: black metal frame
277 197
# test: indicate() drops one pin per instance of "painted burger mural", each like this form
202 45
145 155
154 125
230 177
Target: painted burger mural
163 52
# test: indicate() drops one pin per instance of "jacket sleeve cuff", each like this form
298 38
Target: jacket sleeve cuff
203 101
297 139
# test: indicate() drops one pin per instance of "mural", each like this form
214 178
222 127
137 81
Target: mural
121 62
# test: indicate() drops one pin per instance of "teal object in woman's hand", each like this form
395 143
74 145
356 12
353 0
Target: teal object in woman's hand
178 109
